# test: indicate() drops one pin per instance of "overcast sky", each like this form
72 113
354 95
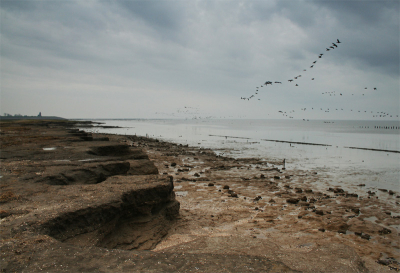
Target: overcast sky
181 59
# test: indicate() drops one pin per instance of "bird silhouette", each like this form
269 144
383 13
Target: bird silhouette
328 94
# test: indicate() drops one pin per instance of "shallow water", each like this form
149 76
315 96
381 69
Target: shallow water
256 138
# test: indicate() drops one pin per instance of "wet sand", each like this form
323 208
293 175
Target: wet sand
258 198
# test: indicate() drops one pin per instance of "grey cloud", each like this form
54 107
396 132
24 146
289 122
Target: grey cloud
203 48
367 12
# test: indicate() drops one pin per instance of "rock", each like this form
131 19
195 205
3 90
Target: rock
277 177
366 236
197 175
385 231
4 214
361 185
356 210
321 229
304 198
173 164
226 187
383 262
338 190
293 200
391 192
234 195
211 184
319 212
298 190
271 200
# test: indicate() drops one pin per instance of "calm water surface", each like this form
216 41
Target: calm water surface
254 138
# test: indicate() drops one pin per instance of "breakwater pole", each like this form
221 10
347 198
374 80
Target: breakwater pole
387 127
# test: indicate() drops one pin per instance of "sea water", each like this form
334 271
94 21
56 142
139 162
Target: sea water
338 159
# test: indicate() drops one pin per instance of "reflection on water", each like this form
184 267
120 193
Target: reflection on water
248 138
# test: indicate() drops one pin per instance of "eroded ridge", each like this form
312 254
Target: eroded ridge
137 219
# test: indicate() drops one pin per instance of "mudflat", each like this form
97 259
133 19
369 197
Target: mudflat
77 202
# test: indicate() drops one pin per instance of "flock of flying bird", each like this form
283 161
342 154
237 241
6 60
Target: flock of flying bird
332 93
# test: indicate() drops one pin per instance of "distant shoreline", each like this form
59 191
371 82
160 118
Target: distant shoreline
32 118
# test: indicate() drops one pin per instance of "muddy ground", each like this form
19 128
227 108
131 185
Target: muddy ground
72 201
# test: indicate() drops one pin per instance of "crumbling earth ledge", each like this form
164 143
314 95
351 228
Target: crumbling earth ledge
124 215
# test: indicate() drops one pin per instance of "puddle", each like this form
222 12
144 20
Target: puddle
371 219
49 149
181 193
397 227
178 187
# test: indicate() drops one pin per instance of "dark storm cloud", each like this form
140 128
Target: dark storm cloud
371 28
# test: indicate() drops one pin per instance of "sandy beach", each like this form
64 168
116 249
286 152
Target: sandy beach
199 211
